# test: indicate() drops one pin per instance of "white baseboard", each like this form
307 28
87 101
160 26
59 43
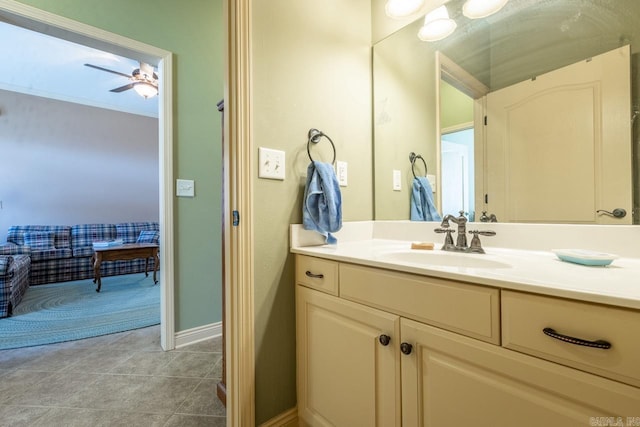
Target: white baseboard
201 333
286 419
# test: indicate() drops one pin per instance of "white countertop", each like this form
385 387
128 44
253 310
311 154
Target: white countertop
537 271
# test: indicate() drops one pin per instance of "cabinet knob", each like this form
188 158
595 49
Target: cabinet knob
406 348
384 339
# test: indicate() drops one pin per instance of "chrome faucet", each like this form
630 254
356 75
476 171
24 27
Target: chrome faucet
488 218
461 222
461 240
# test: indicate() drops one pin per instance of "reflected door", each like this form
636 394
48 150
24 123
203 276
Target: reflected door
559 146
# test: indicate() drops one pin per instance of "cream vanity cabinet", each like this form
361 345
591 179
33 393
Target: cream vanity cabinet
383 348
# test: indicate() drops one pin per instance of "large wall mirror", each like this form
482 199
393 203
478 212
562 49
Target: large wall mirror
556 84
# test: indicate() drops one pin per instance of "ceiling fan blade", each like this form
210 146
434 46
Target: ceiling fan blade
108 71
122 88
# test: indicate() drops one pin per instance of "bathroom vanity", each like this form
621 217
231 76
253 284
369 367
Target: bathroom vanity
389 336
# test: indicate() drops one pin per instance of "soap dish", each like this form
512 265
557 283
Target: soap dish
584 257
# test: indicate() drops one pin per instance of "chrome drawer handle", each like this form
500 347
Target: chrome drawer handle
577 341
314 276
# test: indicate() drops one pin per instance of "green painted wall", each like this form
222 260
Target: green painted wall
193 30
311 69
455 107
404 115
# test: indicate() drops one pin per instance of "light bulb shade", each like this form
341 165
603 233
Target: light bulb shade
437 25
398 9
145 89
475 9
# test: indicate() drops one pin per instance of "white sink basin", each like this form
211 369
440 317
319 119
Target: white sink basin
442 259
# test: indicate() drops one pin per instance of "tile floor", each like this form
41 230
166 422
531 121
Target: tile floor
122 379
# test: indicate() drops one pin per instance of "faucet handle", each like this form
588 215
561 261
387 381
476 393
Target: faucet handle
476 246
448 240
482 233
443 230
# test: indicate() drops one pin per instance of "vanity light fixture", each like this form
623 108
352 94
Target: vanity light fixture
475 9
398 9
437 25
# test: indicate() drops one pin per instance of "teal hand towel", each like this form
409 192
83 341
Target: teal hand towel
422 206
322 204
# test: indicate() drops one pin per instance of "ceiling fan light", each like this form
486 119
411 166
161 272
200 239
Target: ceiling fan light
398 9
145 89
437 25
475 9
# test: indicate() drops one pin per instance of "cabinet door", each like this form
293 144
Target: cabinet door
346 376
451 380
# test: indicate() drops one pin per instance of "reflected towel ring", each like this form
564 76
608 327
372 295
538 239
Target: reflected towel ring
412 159
314 136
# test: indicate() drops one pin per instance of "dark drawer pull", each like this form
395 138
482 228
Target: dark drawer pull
577 341
314 276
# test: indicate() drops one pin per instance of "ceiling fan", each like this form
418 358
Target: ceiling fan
143 80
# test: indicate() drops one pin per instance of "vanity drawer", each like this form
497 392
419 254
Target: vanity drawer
467 309
525 316
317 273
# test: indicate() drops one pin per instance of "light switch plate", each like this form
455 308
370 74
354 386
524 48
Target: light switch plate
342 173
185 188
271 163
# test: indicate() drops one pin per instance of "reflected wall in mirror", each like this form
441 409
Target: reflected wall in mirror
522 43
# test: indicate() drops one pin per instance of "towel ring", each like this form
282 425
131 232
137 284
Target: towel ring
314 136
412 159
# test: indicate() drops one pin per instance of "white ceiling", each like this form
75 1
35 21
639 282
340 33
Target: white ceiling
37 64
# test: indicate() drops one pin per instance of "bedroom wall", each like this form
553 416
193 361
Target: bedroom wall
66 163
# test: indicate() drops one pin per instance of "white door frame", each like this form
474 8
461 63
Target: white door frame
466 83
64 28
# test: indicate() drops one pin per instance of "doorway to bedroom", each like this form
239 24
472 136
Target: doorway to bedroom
89 163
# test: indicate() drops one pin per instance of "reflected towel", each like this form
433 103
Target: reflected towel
322 204
422 205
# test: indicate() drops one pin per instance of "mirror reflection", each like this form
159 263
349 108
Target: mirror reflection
556 82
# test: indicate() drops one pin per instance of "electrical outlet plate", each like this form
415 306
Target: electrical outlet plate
271 163
397 180
342 173
432 182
